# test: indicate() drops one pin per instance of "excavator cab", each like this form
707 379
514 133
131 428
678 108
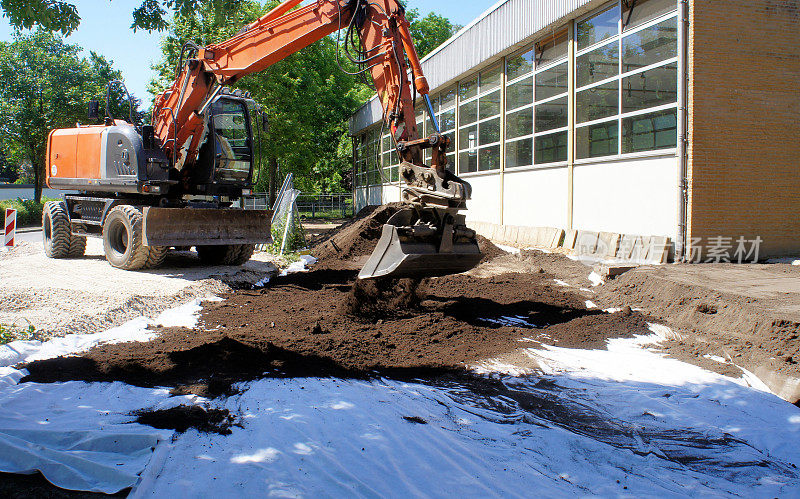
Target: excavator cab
233 149
227 154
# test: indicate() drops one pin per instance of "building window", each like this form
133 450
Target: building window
626 77
389 161
366 163
536 103
479 121
444 107
626 92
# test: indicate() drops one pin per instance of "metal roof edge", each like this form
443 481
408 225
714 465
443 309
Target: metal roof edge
463 30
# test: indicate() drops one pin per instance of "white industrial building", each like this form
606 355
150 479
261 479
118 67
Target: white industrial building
564 115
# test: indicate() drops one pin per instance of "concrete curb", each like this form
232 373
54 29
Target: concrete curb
599 246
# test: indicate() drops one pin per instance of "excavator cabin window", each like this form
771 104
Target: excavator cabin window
232 140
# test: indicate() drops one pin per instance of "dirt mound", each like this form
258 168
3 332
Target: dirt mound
183 417
759 331
354 240
296 328
488 248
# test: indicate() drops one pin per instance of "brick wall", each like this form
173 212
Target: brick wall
744 122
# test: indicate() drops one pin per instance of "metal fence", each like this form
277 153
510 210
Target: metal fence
339 205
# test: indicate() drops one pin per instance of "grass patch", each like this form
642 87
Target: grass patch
12 332
29 212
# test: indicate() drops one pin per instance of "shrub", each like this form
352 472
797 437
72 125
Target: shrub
29 212
295 239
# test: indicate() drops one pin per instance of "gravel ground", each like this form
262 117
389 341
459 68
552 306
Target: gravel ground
59 297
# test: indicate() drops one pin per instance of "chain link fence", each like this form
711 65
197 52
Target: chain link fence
337 205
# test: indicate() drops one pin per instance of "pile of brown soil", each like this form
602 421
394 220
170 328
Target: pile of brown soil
299 327
183 417
348 246
759 333
355 238
383 298
488 248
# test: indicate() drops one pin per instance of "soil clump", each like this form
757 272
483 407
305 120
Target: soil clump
373 299
183 417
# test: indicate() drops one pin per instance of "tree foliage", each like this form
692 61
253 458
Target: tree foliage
307 98
46 85
430 31
52 15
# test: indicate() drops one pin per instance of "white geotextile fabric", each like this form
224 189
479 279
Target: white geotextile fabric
81 435
624 421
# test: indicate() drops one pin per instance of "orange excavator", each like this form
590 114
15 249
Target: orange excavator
175 183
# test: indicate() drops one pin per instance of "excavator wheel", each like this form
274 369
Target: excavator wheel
156 256
122 238
225 254
77 247
57 235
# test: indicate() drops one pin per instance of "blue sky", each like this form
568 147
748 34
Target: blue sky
105 29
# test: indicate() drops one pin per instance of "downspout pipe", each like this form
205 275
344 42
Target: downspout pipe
682 125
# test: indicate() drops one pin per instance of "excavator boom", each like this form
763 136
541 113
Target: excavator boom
428 237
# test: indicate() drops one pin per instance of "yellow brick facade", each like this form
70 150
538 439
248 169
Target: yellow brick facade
744 122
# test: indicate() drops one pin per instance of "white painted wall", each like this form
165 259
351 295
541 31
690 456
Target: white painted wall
391 193
638 196
536 198
632 196
485 203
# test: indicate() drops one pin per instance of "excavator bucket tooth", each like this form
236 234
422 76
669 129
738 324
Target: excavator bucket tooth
397 258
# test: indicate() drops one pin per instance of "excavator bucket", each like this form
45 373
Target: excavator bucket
397 256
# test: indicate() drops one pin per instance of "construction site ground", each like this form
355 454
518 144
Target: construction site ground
522 372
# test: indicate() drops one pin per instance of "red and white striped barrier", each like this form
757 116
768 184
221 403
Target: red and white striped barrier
10 226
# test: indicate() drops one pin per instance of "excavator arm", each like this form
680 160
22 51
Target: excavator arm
426 238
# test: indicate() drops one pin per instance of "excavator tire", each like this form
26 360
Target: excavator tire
122 238
57 235
156 256
77 247
244 254
225 254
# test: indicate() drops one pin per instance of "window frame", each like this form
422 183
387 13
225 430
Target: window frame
500 117
572 128
537 69
622 33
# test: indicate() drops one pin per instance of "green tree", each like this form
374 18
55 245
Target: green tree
430 31
46 85
307 98
62 16
9 172
52 15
